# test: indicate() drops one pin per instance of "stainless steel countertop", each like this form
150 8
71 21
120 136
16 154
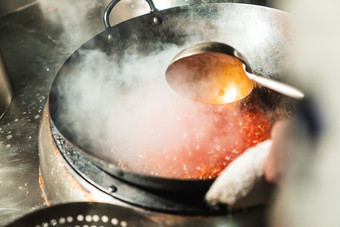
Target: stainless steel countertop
33 51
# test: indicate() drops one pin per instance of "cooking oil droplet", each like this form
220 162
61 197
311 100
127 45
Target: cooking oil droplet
9 137
234 151
37 117
8 145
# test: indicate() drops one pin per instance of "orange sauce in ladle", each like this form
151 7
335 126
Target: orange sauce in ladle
213 78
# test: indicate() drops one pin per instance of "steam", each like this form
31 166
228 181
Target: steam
129 113
75 20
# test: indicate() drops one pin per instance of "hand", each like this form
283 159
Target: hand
268 158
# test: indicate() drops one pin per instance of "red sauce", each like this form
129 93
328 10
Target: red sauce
236 127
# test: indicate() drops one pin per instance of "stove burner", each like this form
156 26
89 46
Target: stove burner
170 202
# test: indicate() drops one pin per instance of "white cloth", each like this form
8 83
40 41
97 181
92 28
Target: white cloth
239 178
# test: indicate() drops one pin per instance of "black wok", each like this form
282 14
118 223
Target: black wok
260 33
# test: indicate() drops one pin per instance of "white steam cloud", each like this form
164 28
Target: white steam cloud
75 19
129 113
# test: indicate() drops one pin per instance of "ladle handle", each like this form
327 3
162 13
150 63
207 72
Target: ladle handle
277 86
113 3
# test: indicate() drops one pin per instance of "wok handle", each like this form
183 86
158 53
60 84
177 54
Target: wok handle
113 3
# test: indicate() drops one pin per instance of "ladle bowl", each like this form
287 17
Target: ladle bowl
217 73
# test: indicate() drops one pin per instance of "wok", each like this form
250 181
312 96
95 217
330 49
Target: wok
260 33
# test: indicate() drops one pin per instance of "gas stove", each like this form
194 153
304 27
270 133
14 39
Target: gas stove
33 50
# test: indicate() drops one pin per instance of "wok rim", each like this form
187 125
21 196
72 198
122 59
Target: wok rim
102 164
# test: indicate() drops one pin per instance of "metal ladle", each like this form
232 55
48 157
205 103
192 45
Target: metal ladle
217 73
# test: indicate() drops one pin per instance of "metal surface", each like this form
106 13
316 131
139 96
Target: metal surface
183 80
266 55
85 214
113 3
33 47
6 92
127 9
7 7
